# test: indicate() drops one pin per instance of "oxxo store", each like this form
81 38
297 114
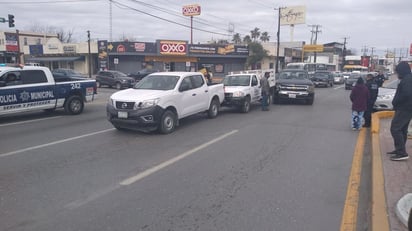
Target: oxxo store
172 55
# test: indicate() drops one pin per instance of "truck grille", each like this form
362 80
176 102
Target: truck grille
228 95
124 105
294 87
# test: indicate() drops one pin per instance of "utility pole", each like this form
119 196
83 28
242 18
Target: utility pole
371 59
315 30
89 55
278 40
344 52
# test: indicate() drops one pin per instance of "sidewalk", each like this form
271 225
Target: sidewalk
397 175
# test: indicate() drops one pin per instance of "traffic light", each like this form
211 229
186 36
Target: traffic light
11 20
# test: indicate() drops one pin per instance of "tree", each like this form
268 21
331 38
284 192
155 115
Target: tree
256 53
247 39
264 37
236 38
255 34
65 36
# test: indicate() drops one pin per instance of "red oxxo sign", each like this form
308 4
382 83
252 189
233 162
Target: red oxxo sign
191 10
173 47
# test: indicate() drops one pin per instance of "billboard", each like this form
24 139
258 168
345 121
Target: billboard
191 10
211 49
11 42
293 15
132 47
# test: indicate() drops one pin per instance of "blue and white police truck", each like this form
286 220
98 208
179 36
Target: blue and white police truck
31 88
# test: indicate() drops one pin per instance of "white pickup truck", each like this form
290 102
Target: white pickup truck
159 100
242 90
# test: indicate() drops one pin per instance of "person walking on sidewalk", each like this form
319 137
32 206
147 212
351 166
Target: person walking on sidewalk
402 105
359 97
372 86
264 84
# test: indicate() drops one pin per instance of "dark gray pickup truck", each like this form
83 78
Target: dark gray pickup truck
294 85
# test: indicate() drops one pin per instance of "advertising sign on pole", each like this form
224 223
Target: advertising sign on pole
293 15
191 10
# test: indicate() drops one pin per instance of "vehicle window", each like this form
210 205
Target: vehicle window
255 81
293 75
236 80
158 82
118 74
186 83
197 81
11 78
33 76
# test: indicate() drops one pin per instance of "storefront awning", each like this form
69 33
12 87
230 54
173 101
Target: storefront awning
51 59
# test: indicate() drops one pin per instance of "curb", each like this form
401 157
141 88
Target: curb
380 217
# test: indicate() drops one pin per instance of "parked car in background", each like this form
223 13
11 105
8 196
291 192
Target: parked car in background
354 76
115 79
385 96
322 78
139 75
66 73
338 78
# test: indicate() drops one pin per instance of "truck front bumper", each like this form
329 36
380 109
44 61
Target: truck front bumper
233 101
146 120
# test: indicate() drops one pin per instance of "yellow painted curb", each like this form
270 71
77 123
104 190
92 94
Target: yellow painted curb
379 216
350 210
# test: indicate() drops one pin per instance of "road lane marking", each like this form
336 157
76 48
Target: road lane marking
341 86
350 210
29 121
53 143
159 167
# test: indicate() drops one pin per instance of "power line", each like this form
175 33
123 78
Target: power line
168 20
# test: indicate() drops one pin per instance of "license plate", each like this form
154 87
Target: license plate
122 114
292 96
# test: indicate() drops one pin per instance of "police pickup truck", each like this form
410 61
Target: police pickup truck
30 88
160 99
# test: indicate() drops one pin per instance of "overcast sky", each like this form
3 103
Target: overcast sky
377 25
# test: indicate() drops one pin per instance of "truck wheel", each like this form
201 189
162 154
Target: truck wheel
275 99
310 100
98 84
118 86
245 108
74 105
168 122
213 109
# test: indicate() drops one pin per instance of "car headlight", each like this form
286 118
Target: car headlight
147 103
111 102
238 94
386 97
123 80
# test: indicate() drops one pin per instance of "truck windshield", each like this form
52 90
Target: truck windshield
293 75
157 82
236 80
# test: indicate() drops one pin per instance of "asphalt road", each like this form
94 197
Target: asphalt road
286 169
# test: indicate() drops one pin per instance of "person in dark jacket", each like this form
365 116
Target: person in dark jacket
380 78
372 86
264 84
402 105
359 97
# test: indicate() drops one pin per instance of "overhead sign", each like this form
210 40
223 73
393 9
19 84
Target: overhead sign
191 10
293 15
313 48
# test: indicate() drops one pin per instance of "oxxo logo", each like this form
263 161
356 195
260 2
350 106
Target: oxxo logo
191 10
173 48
